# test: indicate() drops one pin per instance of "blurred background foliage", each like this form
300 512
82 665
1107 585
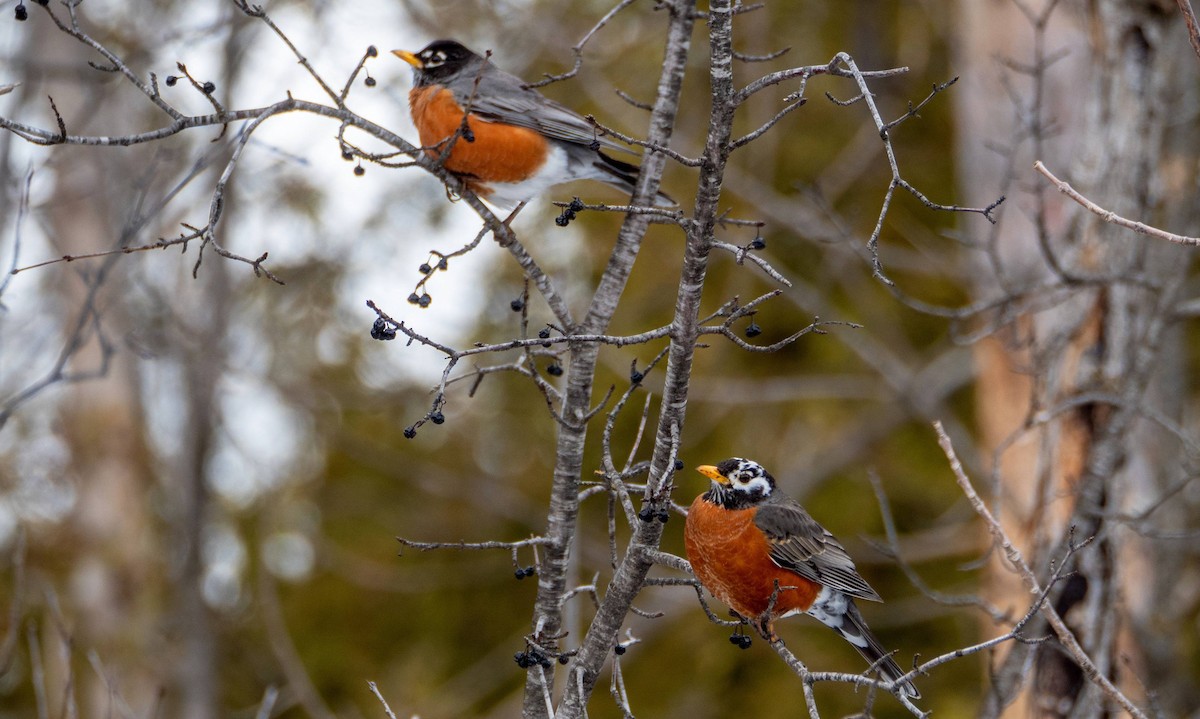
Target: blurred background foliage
292 418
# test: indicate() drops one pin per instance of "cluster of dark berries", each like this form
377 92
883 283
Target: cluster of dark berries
522 572
207 88
569 212
741 641
427 268
381 330
532 658
421 300
649 514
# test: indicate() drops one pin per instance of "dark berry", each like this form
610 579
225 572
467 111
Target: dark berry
410 432
758 243
679 465
381 331
562 220
554 370
618 650
517 305
414 298
208 88
544 333
437 418
636 377
424 269
594 145
468 135
443 264
369 82
371 51
576 205
563 659
522 659
22 13
519 572
646 514
745 642
664 516
424 300
171 80
753 330
735 639
347 155
359 170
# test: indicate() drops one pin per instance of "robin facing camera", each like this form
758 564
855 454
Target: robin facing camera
758 551
517 143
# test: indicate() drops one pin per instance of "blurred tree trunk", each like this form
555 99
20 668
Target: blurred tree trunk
1080 360
156 627
112 568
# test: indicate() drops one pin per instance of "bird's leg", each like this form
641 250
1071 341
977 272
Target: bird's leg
766 621
765 625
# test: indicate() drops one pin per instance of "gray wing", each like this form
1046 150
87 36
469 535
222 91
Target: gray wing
503 98
800 544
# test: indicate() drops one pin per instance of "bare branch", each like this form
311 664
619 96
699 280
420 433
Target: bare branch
1110 216
1017 562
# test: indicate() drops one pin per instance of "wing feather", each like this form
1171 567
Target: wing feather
503 98
800 544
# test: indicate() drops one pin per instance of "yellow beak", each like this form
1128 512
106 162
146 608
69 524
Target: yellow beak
711 472
410 58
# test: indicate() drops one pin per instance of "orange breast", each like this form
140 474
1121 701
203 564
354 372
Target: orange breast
500 153
730 557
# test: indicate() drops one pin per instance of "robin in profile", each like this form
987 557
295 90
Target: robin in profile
758 551
517 143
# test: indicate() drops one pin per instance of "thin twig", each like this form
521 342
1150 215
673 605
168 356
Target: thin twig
1110 216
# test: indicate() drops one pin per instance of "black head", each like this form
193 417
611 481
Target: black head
738 483
439 60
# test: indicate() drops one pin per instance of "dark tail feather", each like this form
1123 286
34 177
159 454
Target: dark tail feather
854 630
624 175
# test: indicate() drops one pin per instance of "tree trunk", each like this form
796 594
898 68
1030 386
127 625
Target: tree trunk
1078 357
